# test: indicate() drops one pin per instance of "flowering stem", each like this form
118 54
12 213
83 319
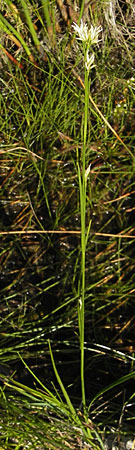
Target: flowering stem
89 37
83 234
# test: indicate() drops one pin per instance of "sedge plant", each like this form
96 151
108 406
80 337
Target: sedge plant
88 37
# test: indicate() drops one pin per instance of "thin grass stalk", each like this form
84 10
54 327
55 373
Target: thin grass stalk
88 38
81 10
68 401
52 399
87 432
119 381
8 28
82 185
30 24
45 5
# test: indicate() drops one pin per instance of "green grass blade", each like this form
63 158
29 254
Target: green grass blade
8 28
111 386
66 396
30 24
45 5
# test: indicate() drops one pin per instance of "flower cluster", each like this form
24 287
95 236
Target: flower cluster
89 37
89 61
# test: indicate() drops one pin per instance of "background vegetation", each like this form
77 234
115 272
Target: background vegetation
42 113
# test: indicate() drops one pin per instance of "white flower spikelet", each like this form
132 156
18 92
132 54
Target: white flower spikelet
87 35
93 34
80 303
89 61
87 171
82 31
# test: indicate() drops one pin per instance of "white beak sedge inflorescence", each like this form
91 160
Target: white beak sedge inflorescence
89 37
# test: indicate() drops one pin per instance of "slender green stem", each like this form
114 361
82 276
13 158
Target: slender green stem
82 184
30 24
45 5
8 28
68 401
81 10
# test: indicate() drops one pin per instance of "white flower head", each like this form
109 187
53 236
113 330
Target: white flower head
82 31
93 34
90 36
89 61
